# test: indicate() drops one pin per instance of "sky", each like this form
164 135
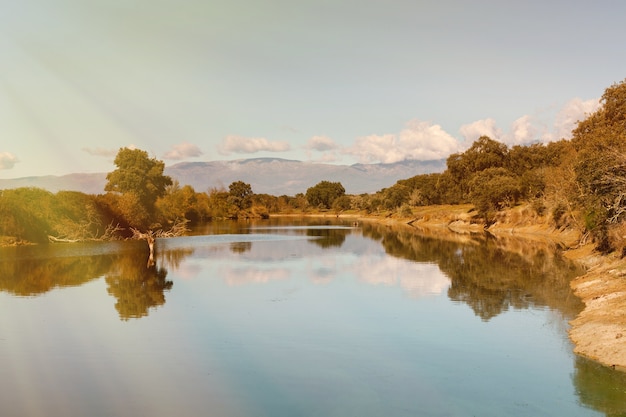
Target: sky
337 81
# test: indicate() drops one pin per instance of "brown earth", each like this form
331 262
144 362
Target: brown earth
599 331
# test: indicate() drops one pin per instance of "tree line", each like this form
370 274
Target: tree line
574 183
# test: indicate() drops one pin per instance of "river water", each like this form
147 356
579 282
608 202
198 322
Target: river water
295 318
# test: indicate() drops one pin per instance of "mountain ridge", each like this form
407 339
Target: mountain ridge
274 176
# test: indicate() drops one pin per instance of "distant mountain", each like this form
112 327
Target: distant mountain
87 183
266 175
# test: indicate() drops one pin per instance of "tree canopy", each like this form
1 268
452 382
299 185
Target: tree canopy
324 194
240 194
140 181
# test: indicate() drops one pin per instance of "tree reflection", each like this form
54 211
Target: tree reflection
34 276
328 238
484 274
136 287
600 387
240 247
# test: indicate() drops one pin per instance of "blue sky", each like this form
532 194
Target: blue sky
313 80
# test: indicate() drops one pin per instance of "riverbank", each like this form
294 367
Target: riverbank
599 331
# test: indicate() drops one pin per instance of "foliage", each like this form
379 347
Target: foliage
483 154
140 181
395 196
574 183
324 194
342 203
25 214
600 164
218 203
178 203
493 189
240 195
33 214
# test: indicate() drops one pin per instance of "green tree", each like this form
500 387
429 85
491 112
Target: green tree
178 203
600 164
25 214
240 195
483 154
140 181
493 189
342 203
424 189
217 203
324 194
395 196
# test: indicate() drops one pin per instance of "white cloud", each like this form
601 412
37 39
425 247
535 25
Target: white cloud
568 117
485 127
419 141
321 144
522 131
7 160
182 151
239 144
528 129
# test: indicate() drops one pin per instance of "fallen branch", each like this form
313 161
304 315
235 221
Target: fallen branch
61 240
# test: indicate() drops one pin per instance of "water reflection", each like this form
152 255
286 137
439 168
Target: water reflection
328 238
252 275
417 279
485 274
137 288
239 341
600 388
477 271
32 277
240 247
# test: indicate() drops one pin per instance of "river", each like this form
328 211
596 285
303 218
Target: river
295 317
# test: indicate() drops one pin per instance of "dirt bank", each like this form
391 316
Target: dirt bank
599 331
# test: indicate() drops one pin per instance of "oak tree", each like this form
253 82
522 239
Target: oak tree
140 181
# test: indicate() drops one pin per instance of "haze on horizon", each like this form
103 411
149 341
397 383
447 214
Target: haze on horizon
338 82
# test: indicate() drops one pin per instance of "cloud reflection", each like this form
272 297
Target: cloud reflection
417 279
252 275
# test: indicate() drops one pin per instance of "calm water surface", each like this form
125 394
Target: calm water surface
294 319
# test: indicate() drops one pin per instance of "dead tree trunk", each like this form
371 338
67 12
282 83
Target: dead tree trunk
149 237
178 229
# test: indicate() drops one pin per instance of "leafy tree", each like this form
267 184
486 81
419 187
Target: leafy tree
342 203
600 165
34 214
178 203
395 196
493 189
25 214
218 203
324 194
240 195
483 154
424 189
140 180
